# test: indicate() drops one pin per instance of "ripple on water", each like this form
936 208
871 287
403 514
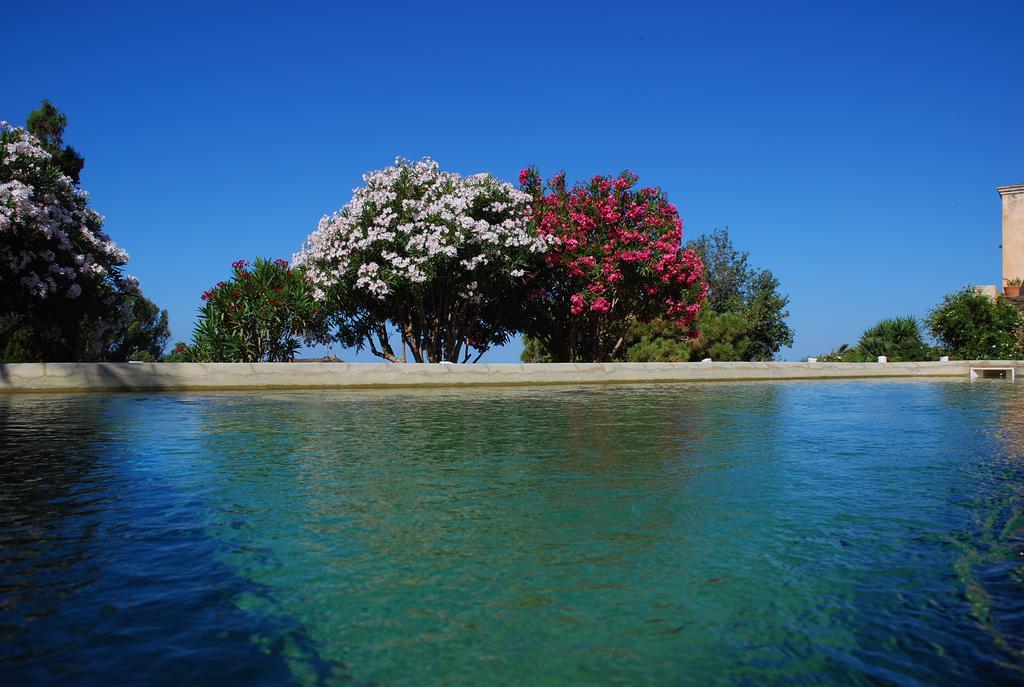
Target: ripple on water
696 533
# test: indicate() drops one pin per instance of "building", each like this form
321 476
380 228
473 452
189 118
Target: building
1013 231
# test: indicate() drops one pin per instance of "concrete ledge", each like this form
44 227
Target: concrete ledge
72 377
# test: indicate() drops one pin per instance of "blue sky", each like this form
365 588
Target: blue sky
852 148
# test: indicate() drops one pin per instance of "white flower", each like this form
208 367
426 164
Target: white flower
408 223
46 226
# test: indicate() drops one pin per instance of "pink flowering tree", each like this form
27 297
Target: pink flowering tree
62 293
424 261
614 258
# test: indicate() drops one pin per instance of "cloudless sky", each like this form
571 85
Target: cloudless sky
851 147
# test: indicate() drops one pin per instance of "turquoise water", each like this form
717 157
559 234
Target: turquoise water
786 533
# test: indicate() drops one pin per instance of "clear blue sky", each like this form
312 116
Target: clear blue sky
852 148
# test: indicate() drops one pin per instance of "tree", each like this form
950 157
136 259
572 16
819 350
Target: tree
725 270
744 317
613 259
436 259
764 310
969 325
62 293
143 336
259 315
733 286
47 124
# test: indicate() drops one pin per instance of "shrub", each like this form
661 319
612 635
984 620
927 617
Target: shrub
613 259
179 353
439 259
898 339
719 337
259 315
971 326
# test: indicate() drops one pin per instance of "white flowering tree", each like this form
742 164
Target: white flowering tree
431 259
62 294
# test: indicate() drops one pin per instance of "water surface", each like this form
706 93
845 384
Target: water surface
751 533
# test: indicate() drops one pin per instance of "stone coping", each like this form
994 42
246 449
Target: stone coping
75 377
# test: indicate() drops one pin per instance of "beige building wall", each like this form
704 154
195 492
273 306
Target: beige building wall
1013 231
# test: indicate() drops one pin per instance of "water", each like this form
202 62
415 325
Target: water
786 533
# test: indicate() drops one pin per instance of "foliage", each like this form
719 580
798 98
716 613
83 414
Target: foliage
144 334
969 325
179 353
260 315
47 124
744 317
613 259
725 270
845 353
734 286
836 355
898 339
62 293
439 258
721 337
534 352
765 312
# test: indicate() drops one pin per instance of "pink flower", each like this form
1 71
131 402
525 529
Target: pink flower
281 263
576 304
600 305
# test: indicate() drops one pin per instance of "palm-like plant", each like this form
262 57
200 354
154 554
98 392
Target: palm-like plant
898 339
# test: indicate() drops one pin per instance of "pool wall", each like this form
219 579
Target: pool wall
65 377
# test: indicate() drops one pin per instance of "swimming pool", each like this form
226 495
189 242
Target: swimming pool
727 533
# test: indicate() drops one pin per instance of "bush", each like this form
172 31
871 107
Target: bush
179 353
898 339
435 257
613 259
969 325
258 316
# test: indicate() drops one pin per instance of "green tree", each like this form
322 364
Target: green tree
726 271
744 317
764 309
735 287
969 325
47 123
143 335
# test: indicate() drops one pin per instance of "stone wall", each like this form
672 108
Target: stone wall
73 377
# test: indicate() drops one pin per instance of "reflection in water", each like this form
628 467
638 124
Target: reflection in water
706 534
105 573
